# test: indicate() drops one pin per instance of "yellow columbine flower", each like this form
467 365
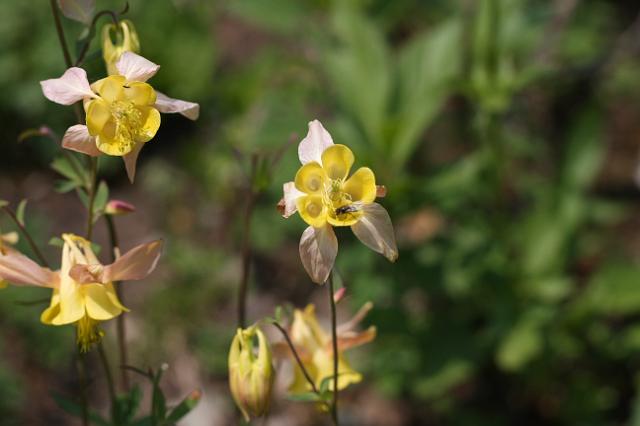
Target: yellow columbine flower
315 348
83 289
325 196
250 374
126 41
122 110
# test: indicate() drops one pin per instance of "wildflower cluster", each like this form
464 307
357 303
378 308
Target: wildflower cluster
121 114
326 196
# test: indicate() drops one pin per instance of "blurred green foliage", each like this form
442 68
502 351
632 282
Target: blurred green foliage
515 296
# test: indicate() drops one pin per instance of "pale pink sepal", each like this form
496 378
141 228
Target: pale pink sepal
165 104
20 270
291 194
136 68
77 138
375 231
72 87
130 161
314 144
318 251
134 265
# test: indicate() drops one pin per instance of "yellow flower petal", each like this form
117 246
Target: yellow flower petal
337 161
110 88
310 178
312 210
141 94
72 306
361 186
50 314
98 114
99 305
323 361
151 120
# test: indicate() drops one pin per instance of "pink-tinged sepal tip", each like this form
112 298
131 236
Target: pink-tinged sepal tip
119 207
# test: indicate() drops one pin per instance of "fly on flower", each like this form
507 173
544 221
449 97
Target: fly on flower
83 288
122 110
325 196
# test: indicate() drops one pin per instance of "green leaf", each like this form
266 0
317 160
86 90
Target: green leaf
3 203
324 384
427 67
63 186
75 409
127 405
78 10
56 242
585 151
100 200
70 167
359 69
20 211
305 397
182 409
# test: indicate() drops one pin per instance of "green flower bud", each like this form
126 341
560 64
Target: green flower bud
126 41
250 373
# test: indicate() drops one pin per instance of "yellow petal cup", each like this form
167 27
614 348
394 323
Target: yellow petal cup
328 188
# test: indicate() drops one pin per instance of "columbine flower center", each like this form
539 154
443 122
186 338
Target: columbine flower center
334 196
128 120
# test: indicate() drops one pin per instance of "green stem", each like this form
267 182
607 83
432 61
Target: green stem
26 234
334 338
109 376
121 330
246 245
60 31
65 49
93 165
82 377
297 357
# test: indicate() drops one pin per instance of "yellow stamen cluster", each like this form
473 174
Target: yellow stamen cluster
87 333
122 115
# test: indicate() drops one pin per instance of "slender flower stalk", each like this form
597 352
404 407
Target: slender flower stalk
246 245
334 340
120 323
26 235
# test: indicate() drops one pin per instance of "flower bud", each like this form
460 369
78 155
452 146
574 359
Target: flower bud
126 41
250 373
118 207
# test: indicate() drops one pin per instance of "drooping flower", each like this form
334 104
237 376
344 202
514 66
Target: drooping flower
83 288
315 348
122 110
250 373
325 196
126 41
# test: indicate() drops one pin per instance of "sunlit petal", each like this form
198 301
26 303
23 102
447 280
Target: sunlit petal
375 231
337 161
318 251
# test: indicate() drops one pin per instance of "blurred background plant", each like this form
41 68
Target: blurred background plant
506 132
